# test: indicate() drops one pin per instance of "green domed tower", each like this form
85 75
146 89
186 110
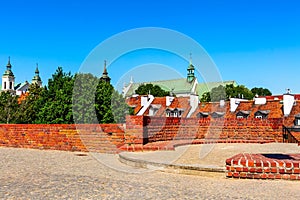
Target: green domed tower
37 79
8 78
191 72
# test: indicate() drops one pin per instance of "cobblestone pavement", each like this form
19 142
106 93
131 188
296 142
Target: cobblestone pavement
36 174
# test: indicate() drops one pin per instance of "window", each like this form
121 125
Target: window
168 113
262 114
242 114
297 120
10 85
4 85
174 113
217 114
202 114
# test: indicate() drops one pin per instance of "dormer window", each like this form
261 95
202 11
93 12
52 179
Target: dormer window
177 112
217 114
262 114
297 120
202 115
242 114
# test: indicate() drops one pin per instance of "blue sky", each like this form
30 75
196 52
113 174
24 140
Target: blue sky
256 43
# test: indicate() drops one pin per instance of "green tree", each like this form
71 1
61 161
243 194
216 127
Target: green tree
57 99
119 107
84 92
261 91
205 97
218 93
29 108
103 96
8 107
155 90
227 92
239 91
109 104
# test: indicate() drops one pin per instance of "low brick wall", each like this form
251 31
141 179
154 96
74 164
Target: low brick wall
162 129
264 166
139 130
85 137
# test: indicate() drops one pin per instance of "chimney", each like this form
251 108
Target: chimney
169 100
144 100
288 102
234 103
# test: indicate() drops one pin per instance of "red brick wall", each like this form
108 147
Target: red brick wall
84 137
135 129
139 130
160 129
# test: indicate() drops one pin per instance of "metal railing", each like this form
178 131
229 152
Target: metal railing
287 136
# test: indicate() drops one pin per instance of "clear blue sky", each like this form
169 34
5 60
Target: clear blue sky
256 43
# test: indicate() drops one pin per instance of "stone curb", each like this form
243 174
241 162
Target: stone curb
185 169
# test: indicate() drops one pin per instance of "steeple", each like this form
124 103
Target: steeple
37 79
105 76
8 78
8 71
190 69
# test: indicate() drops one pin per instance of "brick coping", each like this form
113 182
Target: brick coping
172 144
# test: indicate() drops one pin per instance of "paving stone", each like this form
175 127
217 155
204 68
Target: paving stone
37 174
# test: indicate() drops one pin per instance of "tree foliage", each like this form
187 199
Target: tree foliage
57 99
8 107
82 97
154 90
28 108
231 91
239 91
261 91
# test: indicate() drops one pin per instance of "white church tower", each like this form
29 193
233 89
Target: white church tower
8 79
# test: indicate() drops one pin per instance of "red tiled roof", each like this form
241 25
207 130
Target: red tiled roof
178 102
274 106
289 121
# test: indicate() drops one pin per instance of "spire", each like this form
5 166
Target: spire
105 76
8 71
190 69
131 80
8 64
37 79
105 70
37 72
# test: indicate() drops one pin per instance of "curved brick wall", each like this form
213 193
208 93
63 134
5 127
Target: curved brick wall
161 129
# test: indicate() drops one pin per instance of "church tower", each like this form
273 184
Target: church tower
105 76
37 79
8 78
191 71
